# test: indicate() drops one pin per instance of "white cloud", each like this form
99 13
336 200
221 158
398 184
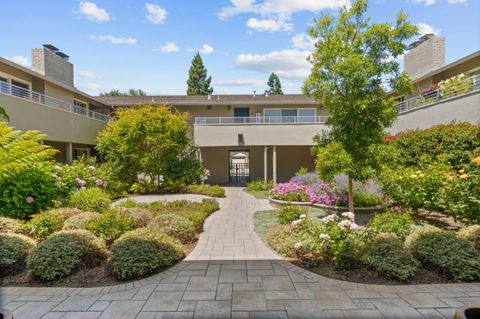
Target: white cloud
425 2
92 12
241 83
206 49
286 63
86 74
20 60
92 87
156 14
169 47
113 40
278 7
269 25
456 1
424 28
303 41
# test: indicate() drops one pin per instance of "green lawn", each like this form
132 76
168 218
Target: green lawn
257 194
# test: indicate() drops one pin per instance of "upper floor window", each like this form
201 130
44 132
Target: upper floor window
80 107
14 86
297 115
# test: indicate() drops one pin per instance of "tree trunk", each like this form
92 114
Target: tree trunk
350 194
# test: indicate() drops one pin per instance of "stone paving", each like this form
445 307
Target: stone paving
231 274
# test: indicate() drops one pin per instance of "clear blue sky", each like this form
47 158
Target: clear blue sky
149 45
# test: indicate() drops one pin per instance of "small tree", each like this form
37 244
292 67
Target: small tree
151 140
352 60
130 92
198 83
275 87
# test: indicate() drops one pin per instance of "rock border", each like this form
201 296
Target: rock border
371 209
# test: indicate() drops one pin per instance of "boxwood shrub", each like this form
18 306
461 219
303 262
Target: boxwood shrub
14 249
111 225
175 226
392 222
43 225
387 255
92 200
140 216
287 214
65 252
471 233
80 221
143 251
448 253
9 225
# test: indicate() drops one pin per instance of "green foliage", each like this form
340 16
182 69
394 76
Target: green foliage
274 85
392 222
448 253
367 199
471 233
130 92
66 212
3 114
207 190
30 190
419 230
141 216
332 159
293 244
287 214
128 203
176 226
153 250
14 249
63 253
9 225
259 185
454 142
154 141
42 225
111 225
91 199
80 221
301 171
387 255
198 83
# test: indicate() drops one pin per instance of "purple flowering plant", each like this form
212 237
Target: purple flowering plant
321 193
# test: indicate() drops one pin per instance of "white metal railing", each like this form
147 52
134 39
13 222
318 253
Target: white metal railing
449 89
17 91
260 120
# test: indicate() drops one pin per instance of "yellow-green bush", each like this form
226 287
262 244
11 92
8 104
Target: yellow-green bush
392 222
90 200
43 225
207 190
140 216
175 226
80 221
9 225
111 225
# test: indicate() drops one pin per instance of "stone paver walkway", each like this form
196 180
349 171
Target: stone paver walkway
231 274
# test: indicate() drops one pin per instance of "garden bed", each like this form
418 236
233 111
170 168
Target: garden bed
372 209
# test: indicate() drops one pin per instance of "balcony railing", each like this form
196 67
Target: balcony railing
260 120
17 91
444 92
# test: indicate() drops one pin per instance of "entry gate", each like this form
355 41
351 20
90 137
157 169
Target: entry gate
239 167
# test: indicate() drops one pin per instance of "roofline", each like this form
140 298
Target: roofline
53 81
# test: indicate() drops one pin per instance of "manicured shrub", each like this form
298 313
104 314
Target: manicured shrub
417 230
365 199
207 190
175 226
111 225
14 249
391 222
287 214
288 242
91 199
140 216
143 251
387 255
259 185
66 212
128 203
448 253
63 253
208 206
80 221
471 233
9 225
43 225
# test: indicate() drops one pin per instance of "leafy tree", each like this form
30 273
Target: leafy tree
275 87
198 83
150 140
4 114
131 92
352 59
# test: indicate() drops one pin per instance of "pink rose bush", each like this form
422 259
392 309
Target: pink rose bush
322 193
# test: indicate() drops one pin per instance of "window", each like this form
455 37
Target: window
14 86
3 85
306 115
273 116
80 107
20 89
300 115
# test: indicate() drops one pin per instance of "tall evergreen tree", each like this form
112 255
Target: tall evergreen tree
198 83
275 87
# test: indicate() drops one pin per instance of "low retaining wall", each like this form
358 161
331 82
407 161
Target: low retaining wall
372 209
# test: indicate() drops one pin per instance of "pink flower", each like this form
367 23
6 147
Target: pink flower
57 185
105 183
99 182
29 199
349 215
83 188
81 183
345 224
91 168
329 218
353 226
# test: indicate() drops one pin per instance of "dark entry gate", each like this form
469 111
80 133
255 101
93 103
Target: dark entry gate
239 167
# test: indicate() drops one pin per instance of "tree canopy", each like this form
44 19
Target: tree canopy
352 61
198 83
130 92
275 87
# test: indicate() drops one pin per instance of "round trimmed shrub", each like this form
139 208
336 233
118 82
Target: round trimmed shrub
391 222
175 226
448 253
143 251
140 216
111 225
65 252
287 214
92 200
66 212
387 255
471 233
80 221
43 225
9 225
418 230
14 249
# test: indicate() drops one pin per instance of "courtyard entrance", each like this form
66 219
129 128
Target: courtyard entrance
239 167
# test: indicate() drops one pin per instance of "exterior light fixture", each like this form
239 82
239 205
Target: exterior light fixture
241 139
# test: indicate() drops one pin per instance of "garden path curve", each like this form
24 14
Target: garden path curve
232 274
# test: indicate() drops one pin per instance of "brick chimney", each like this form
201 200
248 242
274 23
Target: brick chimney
52 63
425 55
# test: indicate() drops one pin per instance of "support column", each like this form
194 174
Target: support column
69 152
265 164
274 164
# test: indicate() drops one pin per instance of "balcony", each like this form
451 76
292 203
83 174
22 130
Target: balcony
261 120
35 97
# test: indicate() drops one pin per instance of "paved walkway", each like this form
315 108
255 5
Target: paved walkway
231 274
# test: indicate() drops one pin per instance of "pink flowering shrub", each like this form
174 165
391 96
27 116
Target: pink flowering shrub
322 193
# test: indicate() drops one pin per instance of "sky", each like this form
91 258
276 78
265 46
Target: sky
149 45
